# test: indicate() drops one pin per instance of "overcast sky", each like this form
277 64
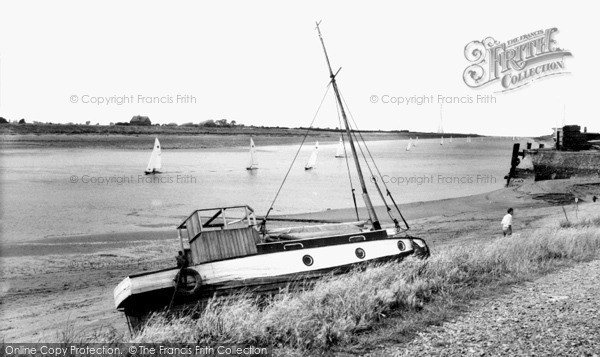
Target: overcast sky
261 62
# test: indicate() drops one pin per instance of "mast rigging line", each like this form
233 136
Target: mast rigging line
378 171
374 180
264 222
347 162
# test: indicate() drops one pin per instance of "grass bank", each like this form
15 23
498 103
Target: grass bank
340 309
173 137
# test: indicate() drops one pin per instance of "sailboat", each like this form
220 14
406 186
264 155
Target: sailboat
252 162
450 140
442 141
155 162
468 139
416 141
312 161
229 251
409 144
340 152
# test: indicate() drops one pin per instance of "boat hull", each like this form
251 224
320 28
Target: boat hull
141 294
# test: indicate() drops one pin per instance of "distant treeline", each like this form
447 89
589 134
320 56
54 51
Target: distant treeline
73 129
140 125
140 120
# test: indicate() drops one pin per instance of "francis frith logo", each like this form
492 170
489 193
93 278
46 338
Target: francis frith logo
514 63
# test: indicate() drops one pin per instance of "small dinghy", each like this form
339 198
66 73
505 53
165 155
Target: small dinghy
252 163
312 161
155 162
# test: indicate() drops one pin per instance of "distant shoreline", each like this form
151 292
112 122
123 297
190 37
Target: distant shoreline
48 128
172 138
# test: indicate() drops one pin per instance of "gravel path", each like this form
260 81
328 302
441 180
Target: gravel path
556 315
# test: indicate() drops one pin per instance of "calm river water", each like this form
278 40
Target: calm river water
57 192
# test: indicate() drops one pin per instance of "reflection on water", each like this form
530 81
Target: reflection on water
49 192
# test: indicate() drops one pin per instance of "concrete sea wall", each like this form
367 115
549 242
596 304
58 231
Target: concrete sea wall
551 164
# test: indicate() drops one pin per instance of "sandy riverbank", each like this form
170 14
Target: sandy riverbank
50 284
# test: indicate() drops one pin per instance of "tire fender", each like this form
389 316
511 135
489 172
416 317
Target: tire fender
192 273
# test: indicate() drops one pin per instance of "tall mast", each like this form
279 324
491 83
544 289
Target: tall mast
365 194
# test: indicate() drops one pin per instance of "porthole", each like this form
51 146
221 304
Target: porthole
360 253
401 246
307 260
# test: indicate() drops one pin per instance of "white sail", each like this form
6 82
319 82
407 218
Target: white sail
409 144
442 141
155 162
416 141
339 152
312 161
468 139
252 163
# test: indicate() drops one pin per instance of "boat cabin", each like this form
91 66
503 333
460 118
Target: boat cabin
213 234
219 233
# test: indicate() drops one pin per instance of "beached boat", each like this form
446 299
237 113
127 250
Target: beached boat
340 150
312 160
155 163
227 249
252 162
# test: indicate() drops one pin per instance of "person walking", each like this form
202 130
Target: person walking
507 223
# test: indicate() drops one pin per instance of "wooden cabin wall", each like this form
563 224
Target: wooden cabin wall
222 244
193 225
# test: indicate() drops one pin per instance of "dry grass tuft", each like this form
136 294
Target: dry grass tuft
587 222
